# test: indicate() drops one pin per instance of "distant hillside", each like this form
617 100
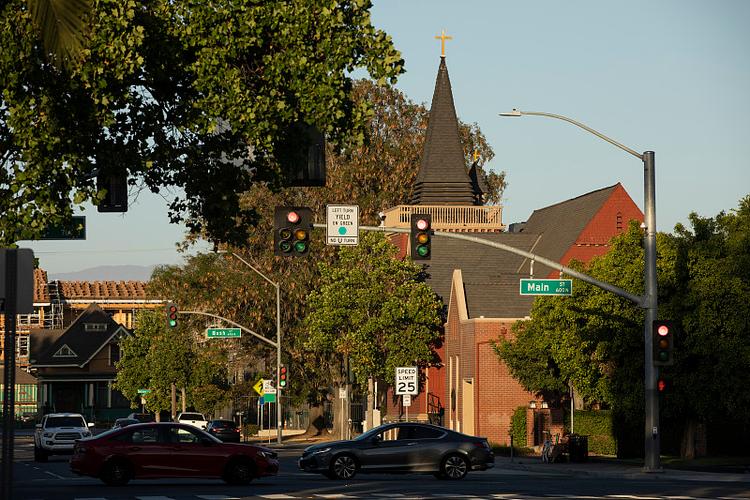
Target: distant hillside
107 273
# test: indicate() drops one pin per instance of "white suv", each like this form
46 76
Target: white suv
57 433
194 419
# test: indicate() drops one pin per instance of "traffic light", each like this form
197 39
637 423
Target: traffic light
662 385
171 310
663 334
282 377
291 231
421 236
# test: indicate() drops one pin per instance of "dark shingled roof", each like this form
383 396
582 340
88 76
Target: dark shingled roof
442 177
561 224
490 279
46 343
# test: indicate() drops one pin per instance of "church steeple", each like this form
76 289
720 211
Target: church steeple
442 177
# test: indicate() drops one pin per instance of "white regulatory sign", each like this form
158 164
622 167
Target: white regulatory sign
406 380
268 387
342 224
406 399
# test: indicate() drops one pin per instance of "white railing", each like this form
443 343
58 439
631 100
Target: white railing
449 218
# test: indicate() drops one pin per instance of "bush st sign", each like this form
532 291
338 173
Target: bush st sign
546 287
223 333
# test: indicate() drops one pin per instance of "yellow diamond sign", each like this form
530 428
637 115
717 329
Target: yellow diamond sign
258 387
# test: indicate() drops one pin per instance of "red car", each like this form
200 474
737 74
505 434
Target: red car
165 450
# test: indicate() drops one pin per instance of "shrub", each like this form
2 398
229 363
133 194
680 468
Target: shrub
518 427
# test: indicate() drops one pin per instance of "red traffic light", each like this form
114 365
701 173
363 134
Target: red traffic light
423 224
663 330
292 217
661 385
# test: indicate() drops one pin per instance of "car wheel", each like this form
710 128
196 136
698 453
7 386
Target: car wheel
239 472
40 455
343 467
454 467
115 473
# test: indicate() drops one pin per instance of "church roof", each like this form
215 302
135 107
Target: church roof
561 224
442 177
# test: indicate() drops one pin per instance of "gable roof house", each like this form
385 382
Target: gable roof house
470 389
75 367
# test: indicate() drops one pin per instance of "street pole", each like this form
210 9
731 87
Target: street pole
649 300
278 339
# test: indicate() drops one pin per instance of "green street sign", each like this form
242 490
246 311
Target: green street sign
223 333
546 287
143 392
76 231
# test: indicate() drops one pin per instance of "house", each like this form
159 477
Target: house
75 366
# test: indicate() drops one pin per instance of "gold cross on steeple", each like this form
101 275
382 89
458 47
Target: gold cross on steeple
475 156
443 37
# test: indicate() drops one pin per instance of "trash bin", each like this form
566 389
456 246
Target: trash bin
578 448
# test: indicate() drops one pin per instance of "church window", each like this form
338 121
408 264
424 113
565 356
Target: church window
619 221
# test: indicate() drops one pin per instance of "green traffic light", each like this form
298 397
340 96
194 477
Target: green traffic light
663 356
300 246
423 250
172 323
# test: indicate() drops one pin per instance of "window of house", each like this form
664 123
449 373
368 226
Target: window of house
65 352
95 327
619 221
114 353
22 342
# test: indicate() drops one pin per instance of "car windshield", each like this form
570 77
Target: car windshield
191 416
65 422
369 434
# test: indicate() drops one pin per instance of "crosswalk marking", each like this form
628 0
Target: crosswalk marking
154 498
276 496
217 497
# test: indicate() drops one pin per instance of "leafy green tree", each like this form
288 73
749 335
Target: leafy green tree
709 297
156 358
374 309
191 95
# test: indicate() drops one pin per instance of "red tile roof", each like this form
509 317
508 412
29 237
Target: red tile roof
75 290
41 292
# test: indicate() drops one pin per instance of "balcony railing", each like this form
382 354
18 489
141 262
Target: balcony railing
468 218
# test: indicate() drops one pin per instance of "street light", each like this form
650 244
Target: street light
278 338
649 299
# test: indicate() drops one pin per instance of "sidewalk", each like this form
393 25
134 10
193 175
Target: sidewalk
601 467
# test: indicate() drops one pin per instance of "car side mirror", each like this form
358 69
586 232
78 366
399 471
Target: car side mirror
38 426
376 440
91 425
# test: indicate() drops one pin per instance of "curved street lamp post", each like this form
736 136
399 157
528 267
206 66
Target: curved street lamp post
278 338
649 299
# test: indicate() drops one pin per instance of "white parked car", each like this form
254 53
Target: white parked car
57 433
194 419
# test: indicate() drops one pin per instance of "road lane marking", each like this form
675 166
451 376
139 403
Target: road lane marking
155 498
276 496
57 476
220 497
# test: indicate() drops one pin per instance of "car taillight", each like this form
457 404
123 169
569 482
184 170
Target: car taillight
482 444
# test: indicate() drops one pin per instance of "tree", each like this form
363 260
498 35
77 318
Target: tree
374 309
709 297
155 359
175 95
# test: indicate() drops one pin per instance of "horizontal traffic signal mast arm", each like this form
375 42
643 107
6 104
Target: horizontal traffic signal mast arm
261 337
638 300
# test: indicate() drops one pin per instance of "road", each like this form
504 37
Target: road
54 481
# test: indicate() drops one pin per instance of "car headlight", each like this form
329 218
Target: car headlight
86 434
267 454
322 450
48 434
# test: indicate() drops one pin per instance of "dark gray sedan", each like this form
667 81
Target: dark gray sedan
401 447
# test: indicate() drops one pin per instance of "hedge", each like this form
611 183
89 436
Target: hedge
597 425
518 427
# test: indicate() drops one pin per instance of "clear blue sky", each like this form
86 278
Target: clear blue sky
668 76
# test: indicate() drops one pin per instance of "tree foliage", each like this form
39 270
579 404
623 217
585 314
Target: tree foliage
195 95
374 309
155 358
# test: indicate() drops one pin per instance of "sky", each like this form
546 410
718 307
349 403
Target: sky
671 77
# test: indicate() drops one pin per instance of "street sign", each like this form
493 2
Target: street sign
546 287
143 392
342 224
406 380
76 231
268 387
258 387
406 399
342 392
269 398
223 333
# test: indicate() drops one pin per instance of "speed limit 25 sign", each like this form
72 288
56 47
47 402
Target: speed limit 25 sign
406 380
